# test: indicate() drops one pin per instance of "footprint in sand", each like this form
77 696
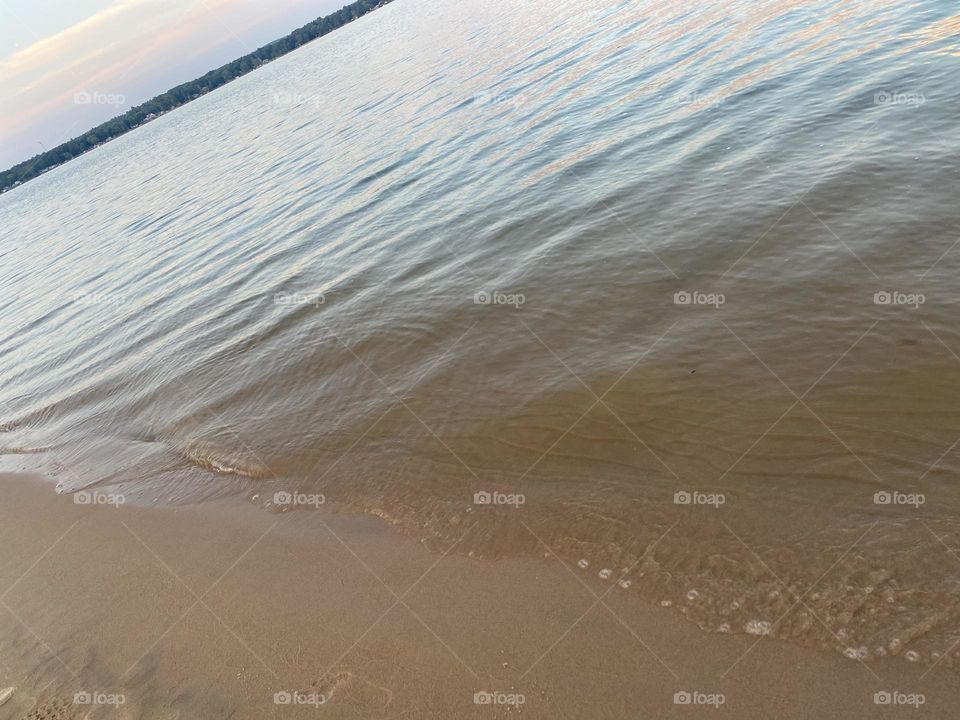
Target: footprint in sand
354 688
56 709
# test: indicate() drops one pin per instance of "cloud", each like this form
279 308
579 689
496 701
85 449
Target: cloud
106 52
133 48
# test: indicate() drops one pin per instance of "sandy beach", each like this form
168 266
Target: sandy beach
221 610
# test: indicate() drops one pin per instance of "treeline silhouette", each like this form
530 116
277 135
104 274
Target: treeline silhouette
181 94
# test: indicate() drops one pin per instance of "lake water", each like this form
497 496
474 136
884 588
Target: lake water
674 283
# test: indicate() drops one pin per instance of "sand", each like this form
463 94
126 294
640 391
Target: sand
220 610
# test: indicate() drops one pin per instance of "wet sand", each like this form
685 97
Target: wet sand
209 610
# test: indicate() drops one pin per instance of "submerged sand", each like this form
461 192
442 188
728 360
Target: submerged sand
220 610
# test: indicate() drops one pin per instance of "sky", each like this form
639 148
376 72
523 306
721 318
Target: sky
68 65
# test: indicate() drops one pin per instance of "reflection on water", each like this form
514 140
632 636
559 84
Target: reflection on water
679 277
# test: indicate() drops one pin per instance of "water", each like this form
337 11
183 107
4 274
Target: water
680 218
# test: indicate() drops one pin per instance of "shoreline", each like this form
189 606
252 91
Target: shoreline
211 610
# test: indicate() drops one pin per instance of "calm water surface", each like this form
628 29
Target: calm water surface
612 257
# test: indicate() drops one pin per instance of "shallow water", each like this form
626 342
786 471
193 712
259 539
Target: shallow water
598 255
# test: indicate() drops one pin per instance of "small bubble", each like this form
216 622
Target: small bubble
666 603
624 584
724 627
692 595
912 655
584 564
758 627
850 653
842 633
880 651
735 605
605 574
894 645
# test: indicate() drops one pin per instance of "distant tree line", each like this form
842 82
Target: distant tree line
181 94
